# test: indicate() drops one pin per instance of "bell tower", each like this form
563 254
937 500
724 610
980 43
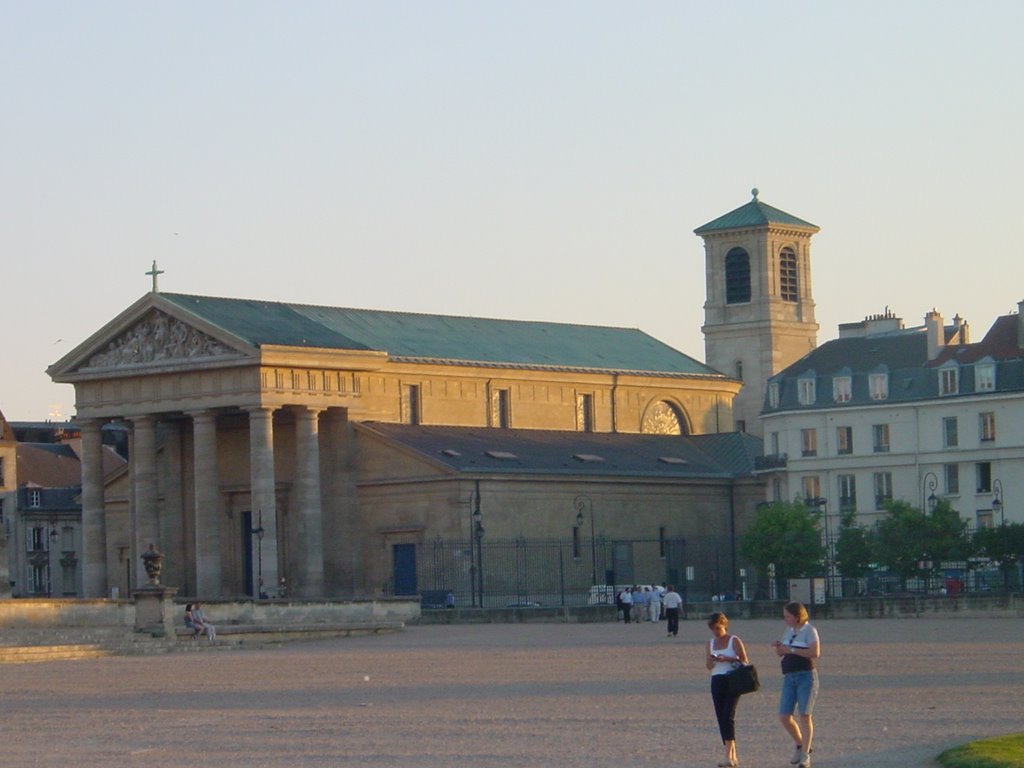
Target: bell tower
758 312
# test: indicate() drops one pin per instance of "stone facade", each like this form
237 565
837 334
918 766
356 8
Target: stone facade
245 464
759 310
8 498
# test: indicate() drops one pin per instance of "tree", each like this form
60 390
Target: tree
788 535
911 543
1003 545
853 547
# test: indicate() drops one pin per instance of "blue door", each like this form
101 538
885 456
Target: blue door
405 569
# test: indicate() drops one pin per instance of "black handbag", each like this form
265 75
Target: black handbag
743 679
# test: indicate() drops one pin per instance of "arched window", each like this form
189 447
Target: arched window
737 276
663 419
789 287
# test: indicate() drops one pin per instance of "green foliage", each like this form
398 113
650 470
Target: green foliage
1000 752
1002 545
853 547
906 538
788 535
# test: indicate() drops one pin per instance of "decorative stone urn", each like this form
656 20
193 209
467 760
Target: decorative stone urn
153 562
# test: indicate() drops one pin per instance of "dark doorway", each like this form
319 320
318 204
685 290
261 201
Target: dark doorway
247 580
405 569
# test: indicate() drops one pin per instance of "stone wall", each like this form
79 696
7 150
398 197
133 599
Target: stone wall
88 614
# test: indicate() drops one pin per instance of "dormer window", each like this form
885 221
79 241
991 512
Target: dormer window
878 386
842 389
984 377
806 394
773 394
949 380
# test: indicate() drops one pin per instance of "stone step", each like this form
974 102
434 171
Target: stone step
26 654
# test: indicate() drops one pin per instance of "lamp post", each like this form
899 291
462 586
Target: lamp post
258 533
583 503
820 503
997 506
928 485
997 500
49 556
478 535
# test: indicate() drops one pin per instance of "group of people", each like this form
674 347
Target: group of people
196 620
639 604
798 649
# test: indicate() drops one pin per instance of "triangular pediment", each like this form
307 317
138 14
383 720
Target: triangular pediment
152 334
158 338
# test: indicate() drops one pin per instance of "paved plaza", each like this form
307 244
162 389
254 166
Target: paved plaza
893 693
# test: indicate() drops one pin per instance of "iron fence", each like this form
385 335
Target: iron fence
547 572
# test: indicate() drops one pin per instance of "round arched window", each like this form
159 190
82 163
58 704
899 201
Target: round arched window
663 419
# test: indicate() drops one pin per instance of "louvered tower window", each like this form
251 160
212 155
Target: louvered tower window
737 276
789 288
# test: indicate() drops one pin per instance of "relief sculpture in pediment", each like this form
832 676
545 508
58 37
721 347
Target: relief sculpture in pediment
158 338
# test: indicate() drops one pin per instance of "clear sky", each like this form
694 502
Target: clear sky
528 160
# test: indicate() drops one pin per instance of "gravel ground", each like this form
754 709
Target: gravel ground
893 693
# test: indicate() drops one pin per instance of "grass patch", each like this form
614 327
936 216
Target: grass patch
1000 752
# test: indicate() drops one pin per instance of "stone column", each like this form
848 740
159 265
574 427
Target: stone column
144 512
94 522
310 526
207 520
263 493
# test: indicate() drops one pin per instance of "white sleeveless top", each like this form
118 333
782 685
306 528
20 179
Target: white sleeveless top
723 667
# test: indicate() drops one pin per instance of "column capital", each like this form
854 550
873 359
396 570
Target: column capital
313 410
92 424
257 409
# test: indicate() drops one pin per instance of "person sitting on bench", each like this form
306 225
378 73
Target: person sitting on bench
202 625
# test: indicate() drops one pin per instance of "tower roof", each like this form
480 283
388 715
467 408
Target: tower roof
754 214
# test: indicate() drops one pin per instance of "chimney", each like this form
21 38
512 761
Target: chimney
935 332
961 331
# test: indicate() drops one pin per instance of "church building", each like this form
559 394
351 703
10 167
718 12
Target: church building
280 448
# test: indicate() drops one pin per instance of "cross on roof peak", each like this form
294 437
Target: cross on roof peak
154 272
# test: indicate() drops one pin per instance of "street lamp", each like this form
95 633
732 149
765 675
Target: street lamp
997 500
583 503
49 556
478 535
820 503
928 484
258 533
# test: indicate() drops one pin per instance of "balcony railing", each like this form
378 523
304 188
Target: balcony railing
770 461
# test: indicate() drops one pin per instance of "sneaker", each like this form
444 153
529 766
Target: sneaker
806 761
798 755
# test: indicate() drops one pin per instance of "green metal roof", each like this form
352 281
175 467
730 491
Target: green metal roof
753 214
442 338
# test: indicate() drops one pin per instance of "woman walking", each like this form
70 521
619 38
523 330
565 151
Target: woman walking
798 649
723 652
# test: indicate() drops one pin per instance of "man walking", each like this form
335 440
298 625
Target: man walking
626 600
672 601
